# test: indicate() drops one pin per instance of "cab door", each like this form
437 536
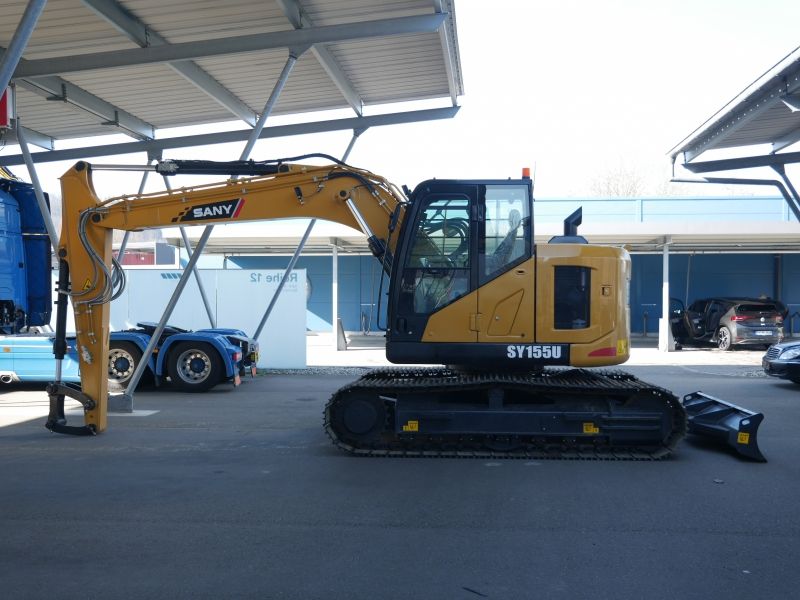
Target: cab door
434 298
505 267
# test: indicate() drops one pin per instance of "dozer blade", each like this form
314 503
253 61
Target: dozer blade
734 425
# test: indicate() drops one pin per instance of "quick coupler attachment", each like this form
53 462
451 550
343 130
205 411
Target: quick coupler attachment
56 421
734 425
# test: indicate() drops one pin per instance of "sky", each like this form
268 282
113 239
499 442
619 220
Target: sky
574 89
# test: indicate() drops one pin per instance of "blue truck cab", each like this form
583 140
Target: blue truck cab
25 294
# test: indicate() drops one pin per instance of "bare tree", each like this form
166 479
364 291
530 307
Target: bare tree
620 182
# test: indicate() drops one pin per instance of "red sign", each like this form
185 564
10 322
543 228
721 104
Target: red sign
5 112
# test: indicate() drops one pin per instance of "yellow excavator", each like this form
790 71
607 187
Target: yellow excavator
494 331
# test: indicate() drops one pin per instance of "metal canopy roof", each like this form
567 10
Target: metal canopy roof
767 112
95 67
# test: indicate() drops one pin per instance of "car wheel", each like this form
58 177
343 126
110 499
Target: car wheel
724 338
123 357
194 367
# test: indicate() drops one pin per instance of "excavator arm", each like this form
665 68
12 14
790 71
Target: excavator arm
335 192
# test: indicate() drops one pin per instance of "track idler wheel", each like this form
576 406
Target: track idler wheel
358 419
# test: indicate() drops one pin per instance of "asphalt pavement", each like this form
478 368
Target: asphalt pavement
238 493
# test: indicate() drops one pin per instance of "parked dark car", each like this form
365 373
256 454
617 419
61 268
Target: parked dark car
783 361
728 322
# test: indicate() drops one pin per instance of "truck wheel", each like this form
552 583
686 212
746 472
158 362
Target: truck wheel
123 357
194 367
724 338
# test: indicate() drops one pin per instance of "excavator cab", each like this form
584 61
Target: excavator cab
470 288
459 236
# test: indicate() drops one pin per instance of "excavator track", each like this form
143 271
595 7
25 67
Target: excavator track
553 414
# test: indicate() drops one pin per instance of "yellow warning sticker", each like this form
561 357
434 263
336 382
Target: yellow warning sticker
88 284
743 438
622 347
411 426
590 428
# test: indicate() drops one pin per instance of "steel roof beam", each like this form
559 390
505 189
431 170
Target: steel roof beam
294 12
449 63
786 141
746 162
355 123
58 89
38 139
31 136
230 45
142 35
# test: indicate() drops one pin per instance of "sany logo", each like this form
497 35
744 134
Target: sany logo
225 209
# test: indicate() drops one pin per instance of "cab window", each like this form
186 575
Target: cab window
506 229
438 264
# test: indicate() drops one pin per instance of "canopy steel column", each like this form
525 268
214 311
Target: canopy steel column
781 170
665 343
335 296
19 42
124 243
212 320
124 403
294 54
127 398
283 280
299 250
353 139
37 188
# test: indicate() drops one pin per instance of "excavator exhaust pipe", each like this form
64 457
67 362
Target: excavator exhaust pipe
734 425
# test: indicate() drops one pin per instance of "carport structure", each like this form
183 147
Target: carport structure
757 127
93 67
79 68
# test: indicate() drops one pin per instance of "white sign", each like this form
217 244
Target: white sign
238 300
